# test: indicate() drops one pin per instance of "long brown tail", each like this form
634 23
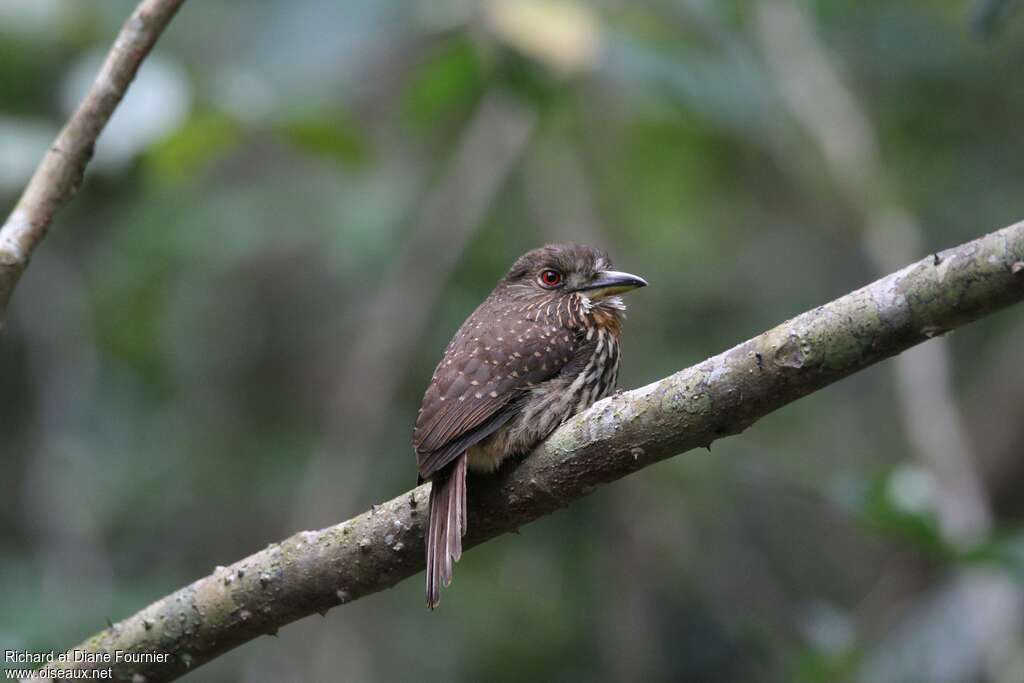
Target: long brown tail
446 525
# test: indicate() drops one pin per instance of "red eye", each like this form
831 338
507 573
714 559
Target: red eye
550 278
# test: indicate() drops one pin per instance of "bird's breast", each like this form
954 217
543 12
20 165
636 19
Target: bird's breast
598 376
551 403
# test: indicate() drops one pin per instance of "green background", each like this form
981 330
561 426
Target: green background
227 333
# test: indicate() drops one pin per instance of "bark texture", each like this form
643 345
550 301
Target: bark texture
314 571
59 174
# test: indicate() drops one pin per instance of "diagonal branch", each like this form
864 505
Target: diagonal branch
315 570
60 172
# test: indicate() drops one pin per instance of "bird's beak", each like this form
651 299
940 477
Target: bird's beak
610 282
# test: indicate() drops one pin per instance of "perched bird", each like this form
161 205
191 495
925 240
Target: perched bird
542 347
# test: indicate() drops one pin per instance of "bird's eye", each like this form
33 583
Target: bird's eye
550 278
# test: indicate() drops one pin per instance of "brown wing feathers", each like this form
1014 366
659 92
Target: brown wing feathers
435 460
494 355
497 354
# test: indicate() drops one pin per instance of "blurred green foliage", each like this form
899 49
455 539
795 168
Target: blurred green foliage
207 137
176 364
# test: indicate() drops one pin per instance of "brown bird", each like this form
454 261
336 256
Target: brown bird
542 347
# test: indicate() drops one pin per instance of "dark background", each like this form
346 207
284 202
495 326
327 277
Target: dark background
227 334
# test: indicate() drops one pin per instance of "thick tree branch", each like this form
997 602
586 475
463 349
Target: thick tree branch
60 172
315 570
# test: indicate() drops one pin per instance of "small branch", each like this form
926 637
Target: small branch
315 570
60 172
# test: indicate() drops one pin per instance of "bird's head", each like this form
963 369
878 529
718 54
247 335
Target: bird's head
556 270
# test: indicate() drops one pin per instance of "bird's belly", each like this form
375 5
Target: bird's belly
484 459
516 437
550 404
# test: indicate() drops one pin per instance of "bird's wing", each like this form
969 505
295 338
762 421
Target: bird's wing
476 386
430 462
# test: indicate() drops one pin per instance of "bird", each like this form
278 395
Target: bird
543 346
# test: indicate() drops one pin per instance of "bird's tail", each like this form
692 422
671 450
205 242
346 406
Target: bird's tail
446 525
